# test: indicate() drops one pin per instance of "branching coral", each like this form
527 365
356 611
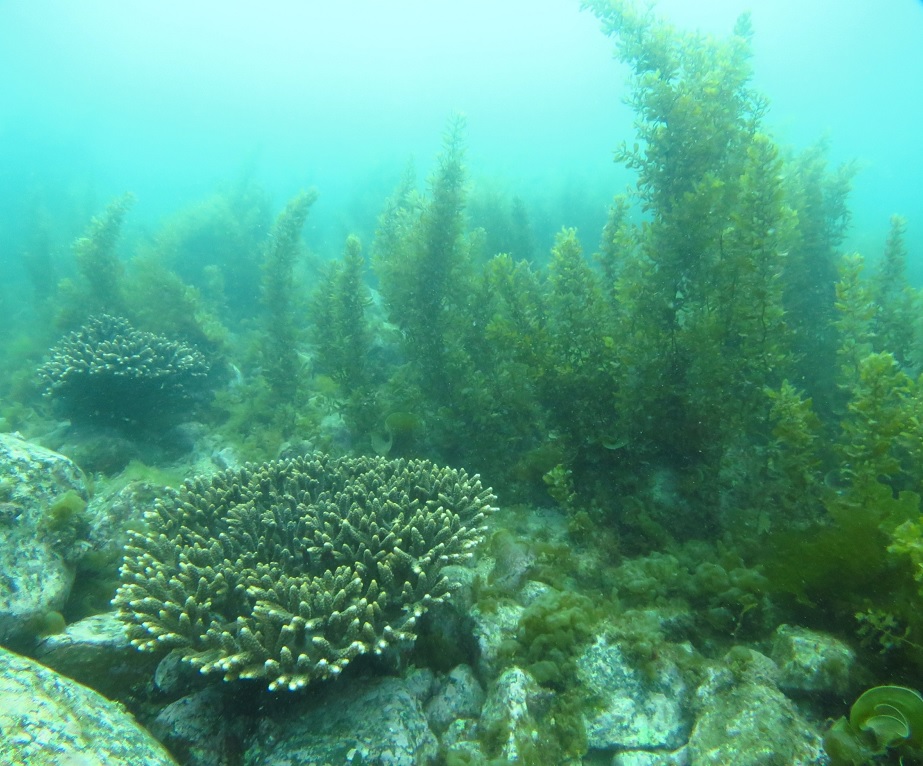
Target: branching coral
289 570
109 372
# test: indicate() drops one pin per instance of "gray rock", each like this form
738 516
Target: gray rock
638 710
377 722
420 683
49 720
491 630
36 573
532 591
461 735
112 512
198 730
459 744
744 720
174 677
647 758
96 652
458 695
811 662
512 713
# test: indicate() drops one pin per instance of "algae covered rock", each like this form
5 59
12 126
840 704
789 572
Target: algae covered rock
744 720
288 571
515 711
638 709
49 720
42 495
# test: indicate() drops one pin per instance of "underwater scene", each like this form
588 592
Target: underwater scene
461 384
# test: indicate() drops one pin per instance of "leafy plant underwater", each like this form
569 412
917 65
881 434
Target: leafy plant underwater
718 370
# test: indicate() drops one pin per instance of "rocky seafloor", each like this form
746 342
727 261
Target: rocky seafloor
81 694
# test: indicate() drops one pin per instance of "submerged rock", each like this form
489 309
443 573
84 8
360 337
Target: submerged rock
459 695
652 758
200 730
42 494
49 720
378 722
744 720
637 710
811 662
96 652
513 713
493 628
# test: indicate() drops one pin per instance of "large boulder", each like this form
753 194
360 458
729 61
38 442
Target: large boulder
42 494
744 720
49 720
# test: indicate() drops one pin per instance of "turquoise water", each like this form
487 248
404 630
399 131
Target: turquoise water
170 100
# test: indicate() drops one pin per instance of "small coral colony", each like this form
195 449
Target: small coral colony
717 381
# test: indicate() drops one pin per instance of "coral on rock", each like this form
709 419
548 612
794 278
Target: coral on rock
288 570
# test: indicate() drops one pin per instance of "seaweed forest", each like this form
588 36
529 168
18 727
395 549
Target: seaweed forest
721 404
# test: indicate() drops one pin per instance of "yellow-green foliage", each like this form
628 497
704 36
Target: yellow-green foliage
340 330
214 245
560 483
47 624
65 520
700 328
280 354
101 284
421 260
852 501
616 248
726 597
895 301
162 303
819 198
907 539
504 221
342 335
881 437
551 634
793 459
259 425
839 564
738 336
473 393
692 96
137 471
855 311
64 511
576 384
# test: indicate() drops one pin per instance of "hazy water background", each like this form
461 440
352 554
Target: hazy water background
170 99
